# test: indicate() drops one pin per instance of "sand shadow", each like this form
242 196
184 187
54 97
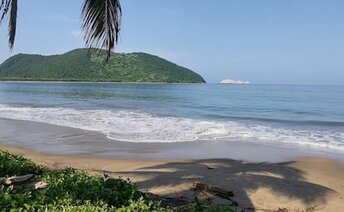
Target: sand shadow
243 178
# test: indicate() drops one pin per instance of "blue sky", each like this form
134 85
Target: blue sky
265 41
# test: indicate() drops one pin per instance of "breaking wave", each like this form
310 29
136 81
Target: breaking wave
136 126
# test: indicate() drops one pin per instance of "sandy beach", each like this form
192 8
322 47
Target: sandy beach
303 184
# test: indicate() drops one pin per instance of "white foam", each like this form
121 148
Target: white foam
135 126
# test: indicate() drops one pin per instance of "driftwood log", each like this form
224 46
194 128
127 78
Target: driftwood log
24 182
220 192
214 190
35 185
15 179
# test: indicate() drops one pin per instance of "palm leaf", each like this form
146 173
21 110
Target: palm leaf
12 25
12 7
100 21
4 7
101 24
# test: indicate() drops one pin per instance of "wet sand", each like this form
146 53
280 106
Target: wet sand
289 178
53 139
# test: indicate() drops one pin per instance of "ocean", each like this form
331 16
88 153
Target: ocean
309 117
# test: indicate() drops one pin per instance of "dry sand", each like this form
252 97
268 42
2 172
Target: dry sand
304 184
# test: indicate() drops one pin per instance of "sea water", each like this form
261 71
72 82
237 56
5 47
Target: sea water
306 116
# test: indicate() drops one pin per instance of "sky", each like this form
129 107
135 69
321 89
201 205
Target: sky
265 41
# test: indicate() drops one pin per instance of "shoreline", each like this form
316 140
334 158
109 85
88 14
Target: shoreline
302 184
55 139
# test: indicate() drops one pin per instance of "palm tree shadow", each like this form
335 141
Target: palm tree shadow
241 177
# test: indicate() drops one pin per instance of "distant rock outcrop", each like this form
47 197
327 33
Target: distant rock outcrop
230 81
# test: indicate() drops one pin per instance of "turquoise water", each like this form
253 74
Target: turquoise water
304 116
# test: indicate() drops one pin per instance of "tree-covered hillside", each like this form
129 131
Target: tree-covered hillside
76 65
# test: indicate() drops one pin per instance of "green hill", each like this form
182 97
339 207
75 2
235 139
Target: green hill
76 65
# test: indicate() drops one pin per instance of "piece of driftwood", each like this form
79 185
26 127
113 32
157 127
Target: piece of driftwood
36 185
15 179
214 190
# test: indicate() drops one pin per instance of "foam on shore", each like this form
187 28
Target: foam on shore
136 126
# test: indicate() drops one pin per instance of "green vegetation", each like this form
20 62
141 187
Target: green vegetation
76 65
68 190
71 190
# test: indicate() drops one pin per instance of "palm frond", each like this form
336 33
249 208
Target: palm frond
4 7
12 25
101 21
12 7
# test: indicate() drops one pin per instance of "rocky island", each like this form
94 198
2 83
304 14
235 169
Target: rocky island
230 81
